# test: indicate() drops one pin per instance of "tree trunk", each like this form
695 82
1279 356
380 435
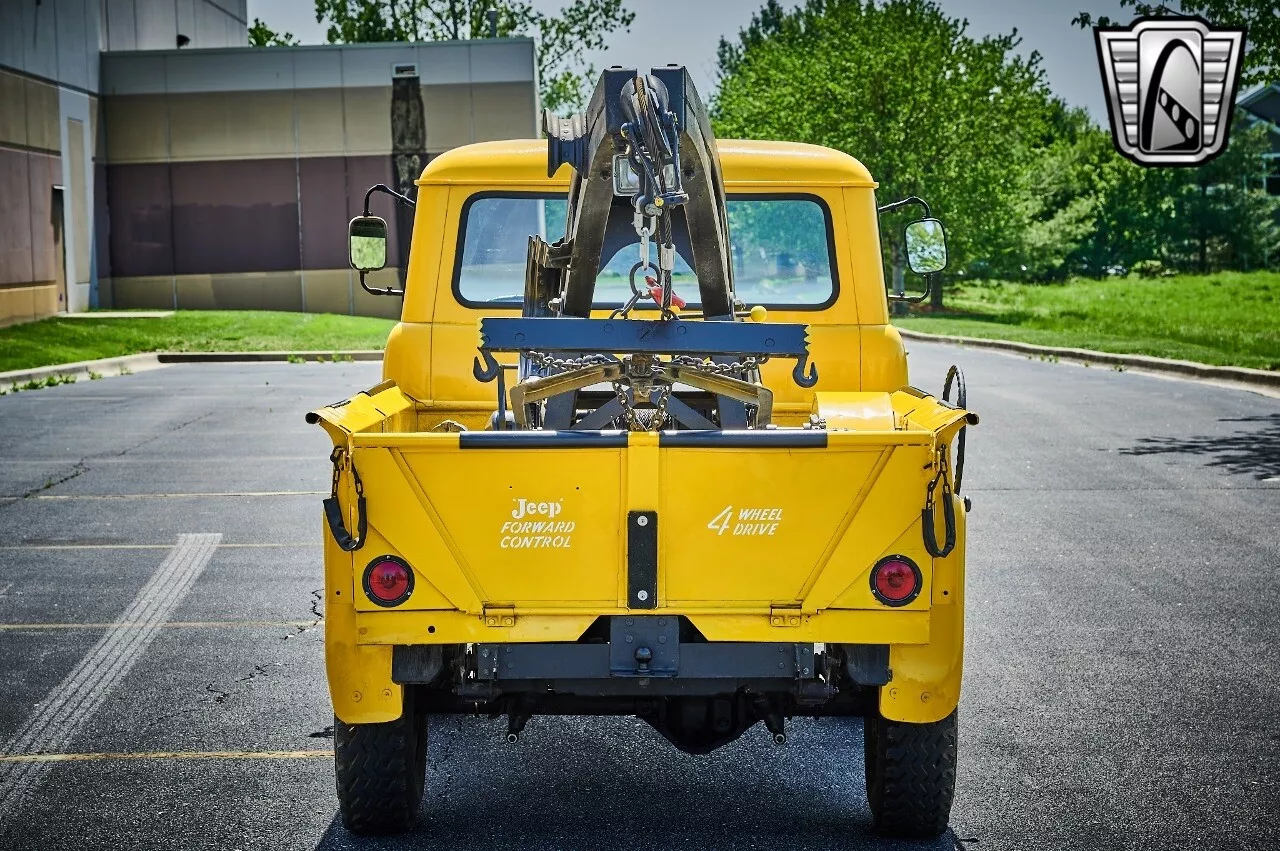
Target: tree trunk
935 295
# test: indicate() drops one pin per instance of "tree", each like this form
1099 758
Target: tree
1086 209
1262 52
931 110
260 35
562 39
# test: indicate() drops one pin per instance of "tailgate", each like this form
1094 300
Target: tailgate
695 522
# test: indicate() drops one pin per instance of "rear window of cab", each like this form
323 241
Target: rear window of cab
782 249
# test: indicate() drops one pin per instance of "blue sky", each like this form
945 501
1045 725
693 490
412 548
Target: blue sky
687 31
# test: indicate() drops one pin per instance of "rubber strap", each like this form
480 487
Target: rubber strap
333 514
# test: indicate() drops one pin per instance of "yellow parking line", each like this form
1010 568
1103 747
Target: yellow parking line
142 624
92 757
69 496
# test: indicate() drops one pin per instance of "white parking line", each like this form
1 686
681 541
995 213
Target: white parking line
59 718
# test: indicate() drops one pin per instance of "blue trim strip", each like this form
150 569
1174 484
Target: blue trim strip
746 439
674 337
542 439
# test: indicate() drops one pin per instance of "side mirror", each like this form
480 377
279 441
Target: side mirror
368 243
926 246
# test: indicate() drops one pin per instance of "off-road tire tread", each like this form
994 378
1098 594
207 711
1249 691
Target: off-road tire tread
380 772
911 775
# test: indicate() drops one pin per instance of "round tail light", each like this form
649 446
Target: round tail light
388 581
895 580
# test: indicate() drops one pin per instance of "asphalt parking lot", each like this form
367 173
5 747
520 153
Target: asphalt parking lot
161 637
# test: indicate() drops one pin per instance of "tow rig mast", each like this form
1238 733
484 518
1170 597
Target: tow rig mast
644 168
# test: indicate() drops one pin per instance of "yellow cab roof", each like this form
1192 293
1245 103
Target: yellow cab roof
744 162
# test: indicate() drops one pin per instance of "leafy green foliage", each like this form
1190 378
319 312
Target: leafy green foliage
260 35
1084 209
1225 318
562 38
931 110
1262 56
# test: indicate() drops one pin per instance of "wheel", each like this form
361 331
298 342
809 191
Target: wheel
911 775
381 771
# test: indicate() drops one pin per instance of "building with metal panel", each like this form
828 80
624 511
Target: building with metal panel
135 172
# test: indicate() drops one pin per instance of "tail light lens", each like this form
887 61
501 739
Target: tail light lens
895 580
388 581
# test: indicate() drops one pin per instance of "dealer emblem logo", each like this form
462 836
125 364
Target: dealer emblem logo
1171 86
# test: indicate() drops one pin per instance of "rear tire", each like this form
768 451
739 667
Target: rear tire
911 775
381 771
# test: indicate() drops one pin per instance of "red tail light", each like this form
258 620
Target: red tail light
388 581
895 580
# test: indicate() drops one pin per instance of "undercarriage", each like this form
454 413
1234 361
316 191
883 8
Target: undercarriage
699 695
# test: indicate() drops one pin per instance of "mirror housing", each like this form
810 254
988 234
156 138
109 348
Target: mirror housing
367 244
926 246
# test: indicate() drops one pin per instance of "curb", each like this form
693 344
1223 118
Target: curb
104 367
265 357
1185 368
156 360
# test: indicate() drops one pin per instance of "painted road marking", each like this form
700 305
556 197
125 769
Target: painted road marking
93 757
154 546
59 718
157 625
69 496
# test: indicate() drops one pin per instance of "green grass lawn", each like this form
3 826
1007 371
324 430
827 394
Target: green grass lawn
1230 318
61 340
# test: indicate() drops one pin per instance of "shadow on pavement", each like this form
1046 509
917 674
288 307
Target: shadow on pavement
563 794
1253 451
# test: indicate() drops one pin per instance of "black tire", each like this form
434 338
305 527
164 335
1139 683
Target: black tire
381 771
911 775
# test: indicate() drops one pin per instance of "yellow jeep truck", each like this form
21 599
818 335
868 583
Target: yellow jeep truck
698 540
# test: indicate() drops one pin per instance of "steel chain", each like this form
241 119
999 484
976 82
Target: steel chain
547 361
734 368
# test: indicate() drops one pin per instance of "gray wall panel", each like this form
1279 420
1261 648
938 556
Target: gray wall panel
134 73
39 40
317 69
11 29
211 26
122 31
229 71
186 10
372 66
500 63
157 24
444 64
74 57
